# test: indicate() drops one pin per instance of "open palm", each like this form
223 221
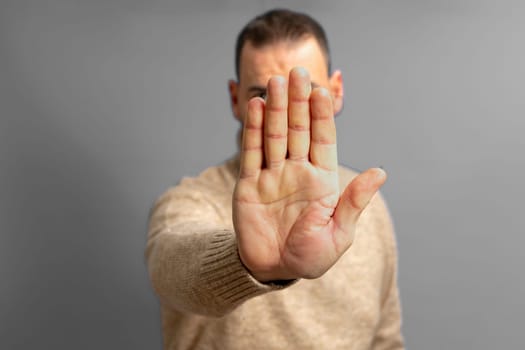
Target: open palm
290 217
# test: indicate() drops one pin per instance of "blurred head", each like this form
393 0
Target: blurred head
274 43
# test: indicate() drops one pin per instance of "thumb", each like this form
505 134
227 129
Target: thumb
356 196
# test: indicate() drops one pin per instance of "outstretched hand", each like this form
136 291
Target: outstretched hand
290 217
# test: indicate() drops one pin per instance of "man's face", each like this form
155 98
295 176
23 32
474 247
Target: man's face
258 65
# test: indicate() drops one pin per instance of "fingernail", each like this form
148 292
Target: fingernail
380 172
278 79
324 91
301 71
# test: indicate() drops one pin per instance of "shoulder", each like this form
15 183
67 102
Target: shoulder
212 185
215 180
207 195
224 174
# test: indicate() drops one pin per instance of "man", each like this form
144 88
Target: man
304 257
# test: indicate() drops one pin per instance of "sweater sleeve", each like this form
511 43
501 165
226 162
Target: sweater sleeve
192 255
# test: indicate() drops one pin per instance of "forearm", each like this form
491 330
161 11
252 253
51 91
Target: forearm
195 268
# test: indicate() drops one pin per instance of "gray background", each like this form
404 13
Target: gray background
104 104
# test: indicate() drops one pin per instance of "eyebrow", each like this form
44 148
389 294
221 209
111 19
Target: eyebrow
260 88
257 88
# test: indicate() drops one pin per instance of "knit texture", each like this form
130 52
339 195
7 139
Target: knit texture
210 301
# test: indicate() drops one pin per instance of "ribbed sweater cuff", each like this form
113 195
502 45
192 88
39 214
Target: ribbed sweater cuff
228 280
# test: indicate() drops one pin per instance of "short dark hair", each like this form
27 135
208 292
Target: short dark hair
277 25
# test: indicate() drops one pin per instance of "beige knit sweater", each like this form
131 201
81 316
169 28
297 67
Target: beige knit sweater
210 301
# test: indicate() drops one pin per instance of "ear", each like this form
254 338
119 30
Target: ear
233 88
337 90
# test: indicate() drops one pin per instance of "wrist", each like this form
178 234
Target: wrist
266 276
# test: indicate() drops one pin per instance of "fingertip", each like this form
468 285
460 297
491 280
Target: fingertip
373 178
255 102
321 103
300 72
320 96
380 174
322 91
276 80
